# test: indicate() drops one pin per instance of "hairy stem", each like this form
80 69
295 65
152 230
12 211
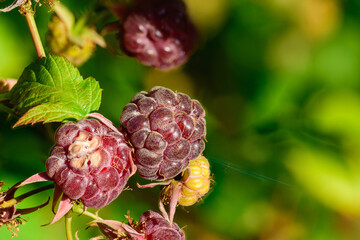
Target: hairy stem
68 218
29 16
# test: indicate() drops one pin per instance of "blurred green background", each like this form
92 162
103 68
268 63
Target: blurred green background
280 80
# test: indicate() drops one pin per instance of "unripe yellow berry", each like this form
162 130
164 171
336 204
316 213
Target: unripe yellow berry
195 180
187 201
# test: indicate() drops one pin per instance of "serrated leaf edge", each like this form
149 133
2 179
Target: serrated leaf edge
37 117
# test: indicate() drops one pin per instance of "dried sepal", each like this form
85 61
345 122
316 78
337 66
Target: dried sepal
151 226
117 230
14 5
10 215
64 206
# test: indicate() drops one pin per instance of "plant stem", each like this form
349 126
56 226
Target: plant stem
29 16
79 210
68 218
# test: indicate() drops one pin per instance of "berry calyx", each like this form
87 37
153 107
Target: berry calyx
159 33
90 162
60 43
72 40
166 130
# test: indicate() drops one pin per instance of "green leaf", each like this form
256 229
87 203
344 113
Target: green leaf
52 89
49 112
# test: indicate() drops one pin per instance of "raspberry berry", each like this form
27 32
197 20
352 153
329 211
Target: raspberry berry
155 227
159 33
90 162
166 130
195 183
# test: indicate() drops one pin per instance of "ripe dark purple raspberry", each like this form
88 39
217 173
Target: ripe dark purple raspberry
155 227
90 162
159 33
166 130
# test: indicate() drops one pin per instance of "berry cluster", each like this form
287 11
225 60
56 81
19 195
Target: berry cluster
92 160
162 131
166 130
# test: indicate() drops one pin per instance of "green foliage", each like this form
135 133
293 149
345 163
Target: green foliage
327 179
52 90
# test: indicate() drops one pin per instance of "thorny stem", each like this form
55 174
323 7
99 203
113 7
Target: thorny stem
18 199
68 218
29 16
